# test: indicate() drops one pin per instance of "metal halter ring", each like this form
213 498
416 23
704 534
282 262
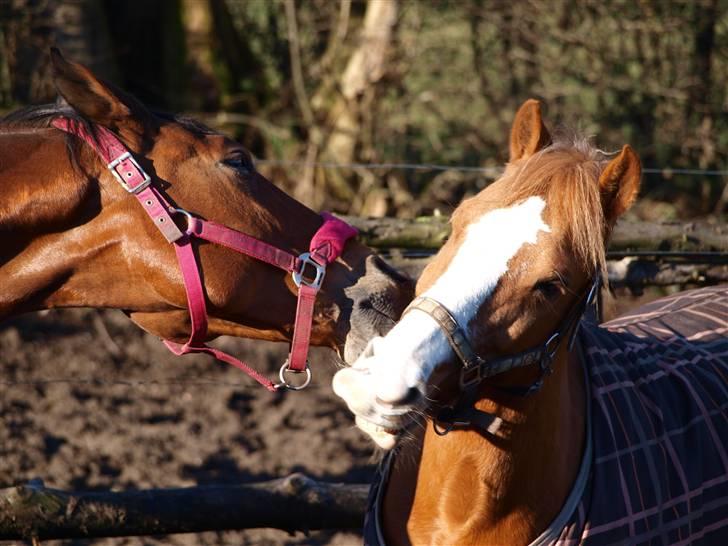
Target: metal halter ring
291 387
442 430
190 218
318 278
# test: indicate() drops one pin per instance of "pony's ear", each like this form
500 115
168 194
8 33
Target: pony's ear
100 102
619 183
528 134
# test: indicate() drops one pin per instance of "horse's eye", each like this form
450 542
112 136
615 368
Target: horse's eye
549 288
240 163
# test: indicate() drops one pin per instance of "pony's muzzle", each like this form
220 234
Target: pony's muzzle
406 397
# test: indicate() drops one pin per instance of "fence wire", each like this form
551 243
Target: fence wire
492 172
133 383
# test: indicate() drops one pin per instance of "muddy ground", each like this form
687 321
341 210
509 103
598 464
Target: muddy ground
91 402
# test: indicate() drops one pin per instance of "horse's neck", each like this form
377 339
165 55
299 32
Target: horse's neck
466 488
40 187
46 208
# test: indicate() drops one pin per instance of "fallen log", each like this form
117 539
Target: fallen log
295 503
636 274
632 272
432 231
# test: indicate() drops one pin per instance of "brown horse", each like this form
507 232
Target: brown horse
624 443
72 236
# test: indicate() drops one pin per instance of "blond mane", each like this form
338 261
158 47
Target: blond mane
566 173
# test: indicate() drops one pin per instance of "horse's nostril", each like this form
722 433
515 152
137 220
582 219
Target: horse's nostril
377 266
408 398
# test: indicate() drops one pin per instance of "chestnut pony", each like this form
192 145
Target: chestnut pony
623 443
73 237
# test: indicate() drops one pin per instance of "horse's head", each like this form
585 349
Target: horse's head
521 255
83 240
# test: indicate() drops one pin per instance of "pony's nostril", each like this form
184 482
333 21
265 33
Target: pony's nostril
408 398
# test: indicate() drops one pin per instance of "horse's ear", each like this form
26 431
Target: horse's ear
100 102
619 183
528 134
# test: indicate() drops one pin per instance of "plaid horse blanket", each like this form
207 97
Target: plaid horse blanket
655 467
659 426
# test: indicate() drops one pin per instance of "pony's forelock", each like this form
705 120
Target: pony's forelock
566 173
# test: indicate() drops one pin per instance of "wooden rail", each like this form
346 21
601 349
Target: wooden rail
640 254
633 272
295 503
432 231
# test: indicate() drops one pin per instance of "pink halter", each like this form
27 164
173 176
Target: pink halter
308 269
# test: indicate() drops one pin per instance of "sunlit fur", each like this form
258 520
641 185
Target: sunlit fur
565 173
406 357
470 487
72 237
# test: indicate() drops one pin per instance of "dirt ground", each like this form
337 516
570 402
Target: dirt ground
91 402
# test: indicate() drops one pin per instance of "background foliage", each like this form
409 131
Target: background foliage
387 81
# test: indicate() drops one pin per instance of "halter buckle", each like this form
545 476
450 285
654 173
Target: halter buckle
470 376
139 187
315 280
285 384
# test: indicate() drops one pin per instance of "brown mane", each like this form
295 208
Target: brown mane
566 173
40 117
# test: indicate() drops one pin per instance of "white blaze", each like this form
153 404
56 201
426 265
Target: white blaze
406 356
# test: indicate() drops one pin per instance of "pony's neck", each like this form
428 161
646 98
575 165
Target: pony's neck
466 488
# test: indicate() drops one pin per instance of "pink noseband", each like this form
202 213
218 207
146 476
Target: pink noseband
307 270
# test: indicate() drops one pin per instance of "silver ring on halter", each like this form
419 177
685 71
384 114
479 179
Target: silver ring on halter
290 386
318 269
190 219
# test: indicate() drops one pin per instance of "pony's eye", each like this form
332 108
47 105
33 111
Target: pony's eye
240 163
549 288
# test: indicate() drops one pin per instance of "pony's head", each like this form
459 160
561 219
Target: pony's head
521 254
79 239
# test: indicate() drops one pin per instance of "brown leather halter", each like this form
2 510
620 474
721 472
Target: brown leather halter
475 368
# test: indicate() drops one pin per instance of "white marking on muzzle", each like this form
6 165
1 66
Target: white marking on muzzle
408 354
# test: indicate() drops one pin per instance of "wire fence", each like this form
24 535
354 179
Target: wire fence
487 171
492 172
245 385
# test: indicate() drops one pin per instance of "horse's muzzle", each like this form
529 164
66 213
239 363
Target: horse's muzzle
378 299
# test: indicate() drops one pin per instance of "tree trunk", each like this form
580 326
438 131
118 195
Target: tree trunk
366 67
197 21
31 27
82 34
